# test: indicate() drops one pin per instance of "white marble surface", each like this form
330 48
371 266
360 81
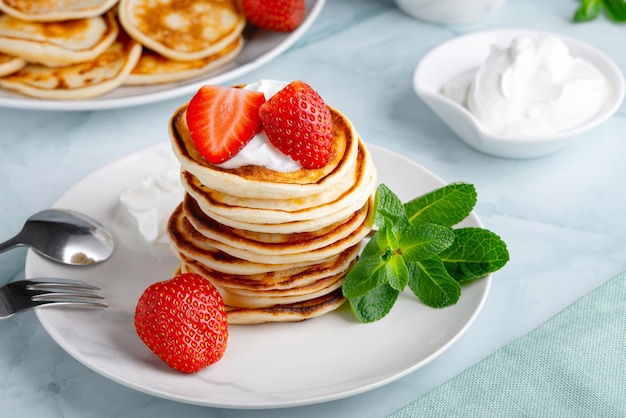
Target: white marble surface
562 215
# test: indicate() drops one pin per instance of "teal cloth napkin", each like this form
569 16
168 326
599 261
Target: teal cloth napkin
574 365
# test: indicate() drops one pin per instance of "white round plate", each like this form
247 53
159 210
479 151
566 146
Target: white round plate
260 48
265 366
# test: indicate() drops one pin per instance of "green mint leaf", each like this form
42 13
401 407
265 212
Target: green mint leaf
425 241
588 10
615 10
366 274
391 235
474 253
431 283
388 206
377 246
375 304
397 272
445 206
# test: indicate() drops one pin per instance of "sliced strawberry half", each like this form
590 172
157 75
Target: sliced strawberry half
298 123
222 120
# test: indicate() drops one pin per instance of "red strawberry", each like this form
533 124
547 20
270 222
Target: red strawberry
222 120
298 123
274 15
183 321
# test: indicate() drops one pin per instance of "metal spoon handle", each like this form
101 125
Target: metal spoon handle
11 243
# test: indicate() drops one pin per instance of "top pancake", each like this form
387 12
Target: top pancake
260 183
183 29
55 10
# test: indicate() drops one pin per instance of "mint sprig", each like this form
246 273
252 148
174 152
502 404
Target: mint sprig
415 245
615 10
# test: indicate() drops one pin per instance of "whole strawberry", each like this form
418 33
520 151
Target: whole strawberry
183 321
298 123
274 15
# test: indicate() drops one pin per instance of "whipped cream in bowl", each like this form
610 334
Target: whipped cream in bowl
519 93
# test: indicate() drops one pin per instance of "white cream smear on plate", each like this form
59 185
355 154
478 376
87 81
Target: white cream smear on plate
533 87
151 201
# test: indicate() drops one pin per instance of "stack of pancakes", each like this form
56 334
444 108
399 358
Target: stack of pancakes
276 245
77 49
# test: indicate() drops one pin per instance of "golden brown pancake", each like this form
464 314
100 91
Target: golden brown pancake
10 64
289 279
58 44
261 183
55 10
183 30
291 250
154 68
78 81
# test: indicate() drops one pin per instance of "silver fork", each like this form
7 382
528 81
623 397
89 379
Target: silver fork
22 295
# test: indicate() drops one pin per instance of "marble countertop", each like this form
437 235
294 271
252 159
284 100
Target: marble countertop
562 216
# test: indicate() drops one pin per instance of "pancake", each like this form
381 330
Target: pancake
58 44
78 81
185 239
288 248
55 10
286 313
183 30
260 183
153 68
262 299
10 64
190 243
273 243
289 279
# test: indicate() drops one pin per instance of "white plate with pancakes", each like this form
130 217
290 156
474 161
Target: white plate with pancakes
271 365
259 47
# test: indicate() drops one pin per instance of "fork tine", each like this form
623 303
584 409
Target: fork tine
52 296
69 302
59 284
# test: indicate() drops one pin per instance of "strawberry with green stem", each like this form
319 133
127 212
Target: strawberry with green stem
298 123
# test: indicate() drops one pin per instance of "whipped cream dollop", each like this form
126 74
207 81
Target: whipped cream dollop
533 87
259 151
151 201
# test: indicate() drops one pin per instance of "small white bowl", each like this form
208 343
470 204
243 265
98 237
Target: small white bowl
450 12
467 52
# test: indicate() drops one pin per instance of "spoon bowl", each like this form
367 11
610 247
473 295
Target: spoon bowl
64 236
464 53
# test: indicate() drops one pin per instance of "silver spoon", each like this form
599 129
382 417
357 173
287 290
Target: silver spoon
64 236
